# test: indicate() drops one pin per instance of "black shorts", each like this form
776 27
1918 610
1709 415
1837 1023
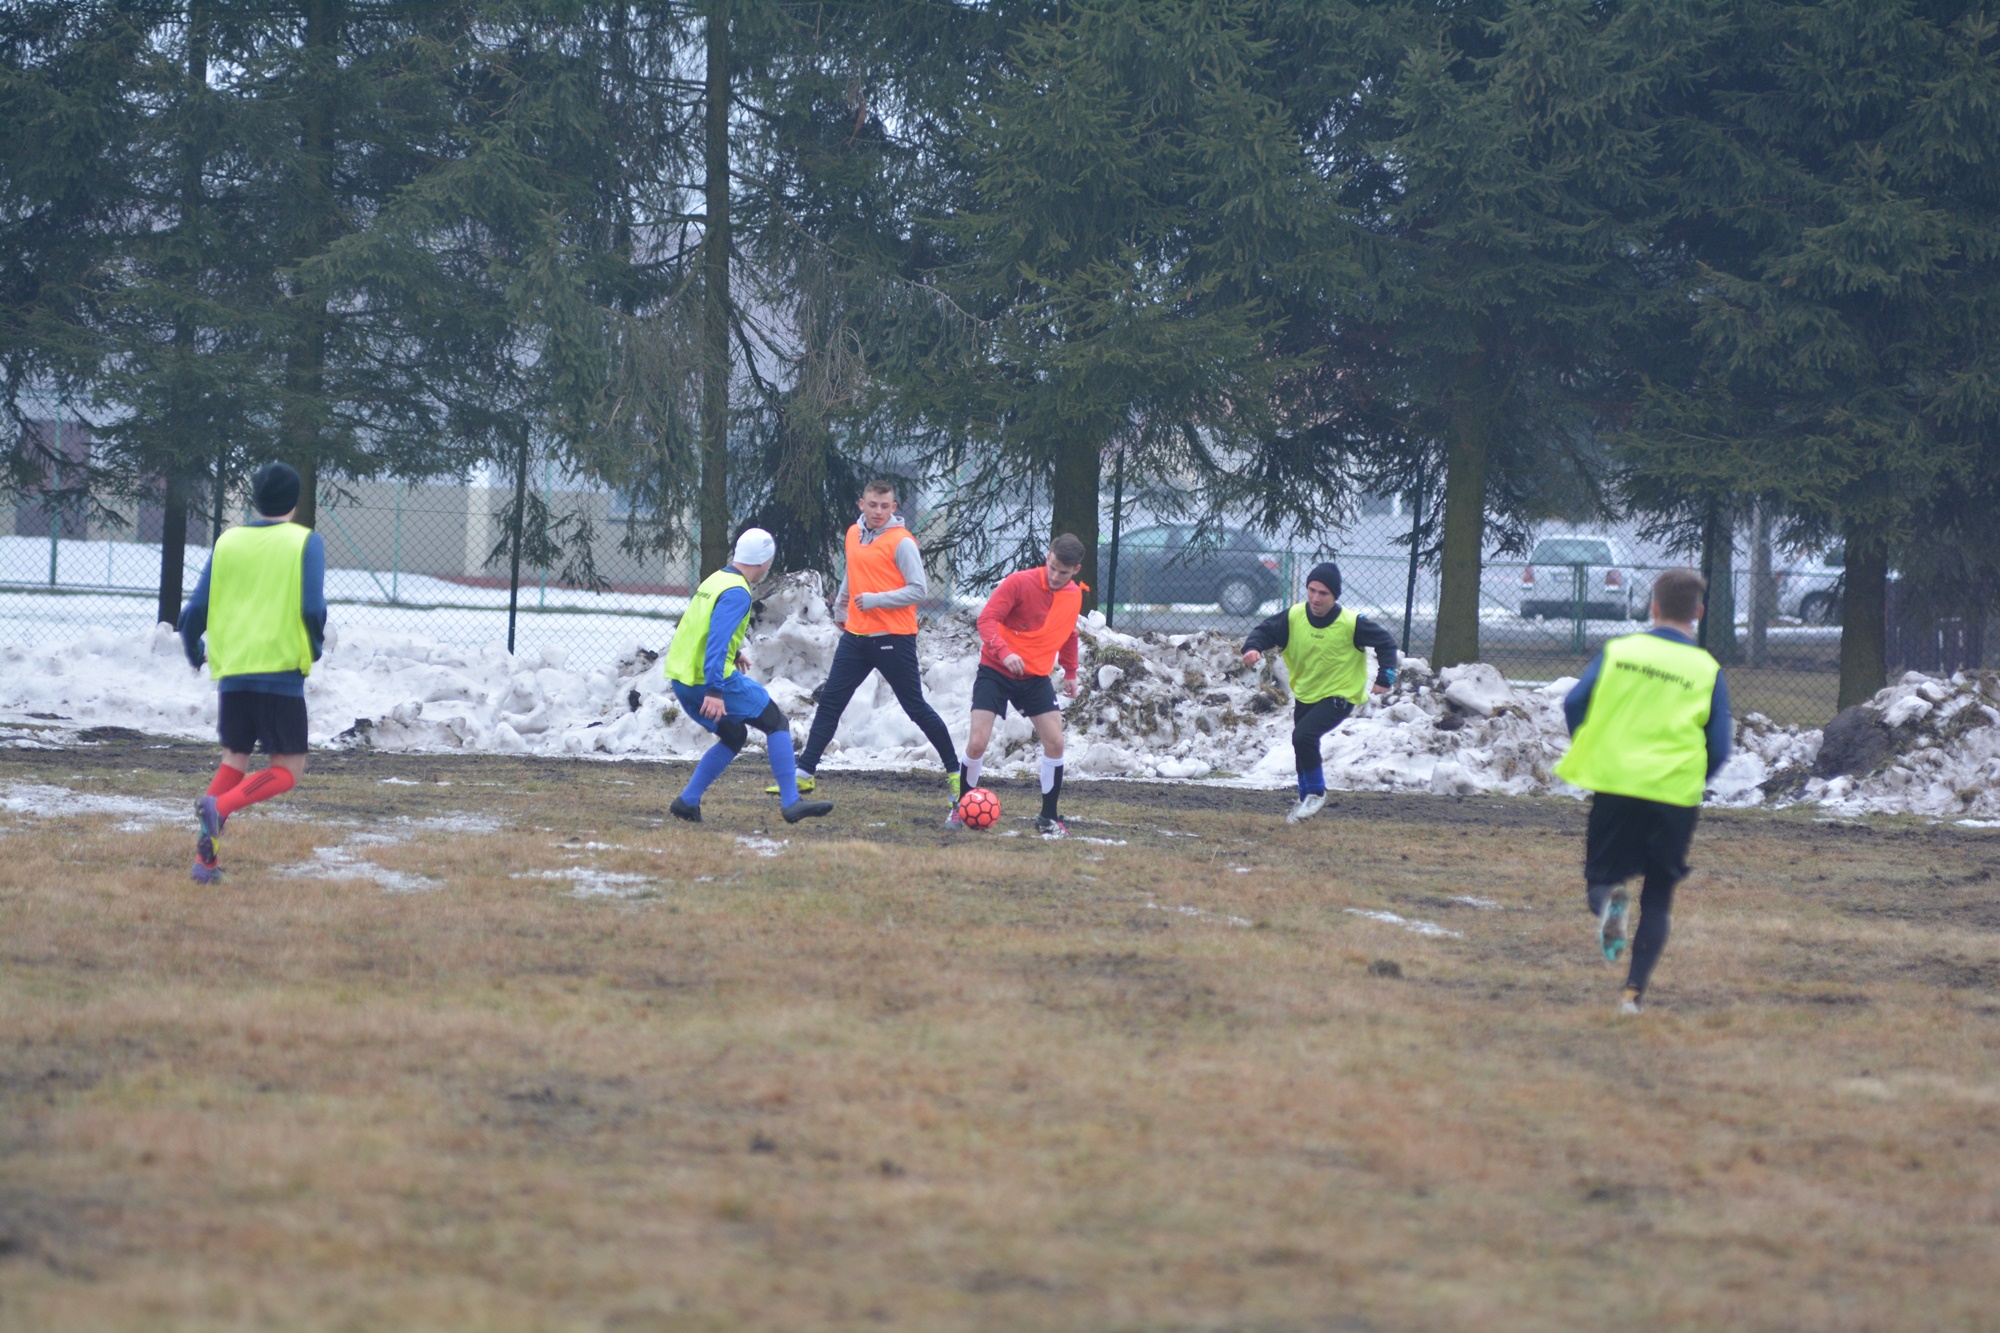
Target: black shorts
993 690
248 719
1629 836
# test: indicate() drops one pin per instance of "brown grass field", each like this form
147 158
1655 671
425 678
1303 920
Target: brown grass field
893 1078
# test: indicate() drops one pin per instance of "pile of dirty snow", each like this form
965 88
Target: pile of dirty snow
1154 706
1924 746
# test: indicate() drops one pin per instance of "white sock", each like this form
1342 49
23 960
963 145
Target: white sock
972 768
1049 767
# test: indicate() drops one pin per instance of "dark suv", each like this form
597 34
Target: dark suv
1159 565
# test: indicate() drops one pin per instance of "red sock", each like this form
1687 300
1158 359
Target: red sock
225 778
258 786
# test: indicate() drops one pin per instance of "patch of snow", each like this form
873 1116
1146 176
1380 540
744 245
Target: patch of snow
590 883
1223 917
135 814
1484 904
761 846
1152 706
1419 927
341 863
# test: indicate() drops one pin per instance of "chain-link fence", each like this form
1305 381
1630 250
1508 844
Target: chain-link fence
402 557
419 559
1774 614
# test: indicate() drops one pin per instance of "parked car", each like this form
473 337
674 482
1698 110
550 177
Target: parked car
1549 580
1239 573
1809 587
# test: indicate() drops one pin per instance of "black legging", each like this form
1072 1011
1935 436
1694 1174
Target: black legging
1629 836
895 656
1312 721
1656 909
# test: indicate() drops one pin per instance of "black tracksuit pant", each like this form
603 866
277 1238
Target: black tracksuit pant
895 656
1630 836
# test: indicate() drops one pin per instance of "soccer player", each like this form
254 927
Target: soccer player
262 605
1028 626
1325 650
1649 725
876 605
705 667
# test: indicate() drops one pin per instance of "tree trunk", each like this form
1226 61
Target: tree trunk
1763 587
714 507
514 537
305 362
1463 539
173 545
1079 471
1864 628
1719 559
176 483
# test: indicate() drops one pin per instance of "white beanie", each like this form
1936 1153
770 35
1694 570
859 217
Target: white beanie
755 547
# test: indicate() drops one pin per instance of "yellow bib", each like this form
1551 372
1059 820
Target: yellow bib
254 621
1644 734
687 655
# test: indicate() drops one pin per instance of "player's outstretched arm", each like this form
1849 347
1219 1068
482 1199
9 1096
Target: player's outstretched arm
1271 632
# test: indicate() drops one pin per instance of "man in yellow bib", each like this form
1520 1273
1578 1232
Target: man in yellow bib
1649 726
704 669
1325 649
262 605
876 606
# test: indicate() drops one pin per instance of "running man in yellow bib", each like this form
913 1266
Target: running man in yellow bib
1326 657
261 604
1649 726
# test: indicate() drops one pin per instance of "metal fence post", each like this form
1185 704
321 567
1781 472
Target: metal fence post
1416 536
1576 608
1117 529
396 550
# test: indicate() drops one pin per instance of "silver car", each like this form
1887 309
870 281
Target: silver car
1575 570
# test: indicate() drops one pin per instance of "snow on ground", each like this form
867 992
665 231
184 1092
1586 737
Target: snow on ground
1176 706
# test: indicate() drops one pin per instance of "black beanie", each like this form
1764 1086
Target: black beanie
1328 573
275 489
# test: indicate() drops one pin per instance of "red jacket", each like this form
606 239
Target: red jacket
1022 603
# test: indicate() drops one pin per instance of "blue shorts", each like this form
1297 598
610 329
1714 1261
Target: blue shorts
743 700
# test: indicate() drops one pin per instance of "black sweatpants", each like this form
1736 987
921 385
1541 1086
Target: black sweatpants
1312 721
1630 836
895 656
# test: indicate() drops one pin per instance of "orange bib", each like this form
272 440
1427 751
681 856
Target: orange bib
1038 647
872 568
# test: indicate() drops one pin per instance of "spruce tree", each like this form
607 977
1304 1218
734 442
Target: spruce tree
1838 172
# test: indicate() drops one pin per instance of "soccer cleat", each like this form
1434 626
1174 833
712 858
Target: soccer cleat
206 872
1629 1005
798 810
954 820
682 810
953 781
211 819
1307 807
806 784
1611 923
1051 829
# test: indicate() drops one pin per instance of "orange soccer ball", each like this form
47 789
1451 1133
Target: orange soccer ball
979 808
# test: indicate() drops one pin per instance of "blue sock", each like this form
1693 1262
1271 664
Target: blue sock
707 770
1312 784
784 765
